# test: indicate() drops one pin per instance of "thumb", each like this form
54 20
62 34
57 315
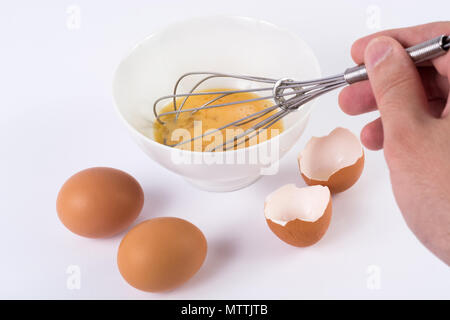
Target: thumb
396 85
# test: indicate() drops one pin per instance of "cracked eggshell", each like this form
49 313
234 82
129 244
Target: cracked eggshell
335 160
299 216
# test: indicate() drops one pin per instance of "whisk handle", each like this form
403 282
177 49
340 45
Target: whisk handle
418 53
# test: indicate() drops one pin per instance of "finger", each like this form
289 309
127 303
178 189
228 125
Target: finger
407 37
436 88
372 135
357 98
436 107
396 84
446 112
436 85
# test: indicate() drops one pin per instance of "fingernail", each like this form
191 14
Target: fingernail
377 51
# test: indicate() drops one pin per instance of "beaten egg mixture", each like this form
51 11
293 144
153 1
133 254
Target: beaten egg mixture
200 122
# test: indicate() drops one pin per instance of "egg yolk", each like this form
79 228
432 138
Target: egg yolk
192 124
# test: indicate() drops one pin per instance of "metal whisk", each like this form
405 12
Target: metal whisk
288 95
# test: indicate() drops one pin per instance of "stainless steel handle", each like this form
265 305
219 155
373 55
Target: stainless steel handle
421 52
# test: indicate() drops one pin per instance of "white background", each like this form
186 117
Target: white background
57 118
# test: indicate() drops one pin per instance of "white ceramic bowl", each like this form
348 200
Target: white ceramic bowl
234 45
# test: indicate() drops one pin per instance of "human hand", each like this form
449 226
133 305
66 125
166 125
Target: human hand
413 128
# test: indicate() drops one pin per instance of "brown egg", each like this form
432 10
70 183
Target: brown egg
299 216
335 160
99 202
161 254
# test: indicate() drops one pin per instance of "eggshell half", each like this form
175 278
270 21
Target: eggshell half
335 160
299 216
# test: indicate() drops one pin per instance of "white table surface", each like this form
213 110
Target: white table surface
57 118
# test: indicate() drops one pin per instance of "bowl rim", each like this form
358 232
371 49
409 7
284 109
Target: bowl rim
187 21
